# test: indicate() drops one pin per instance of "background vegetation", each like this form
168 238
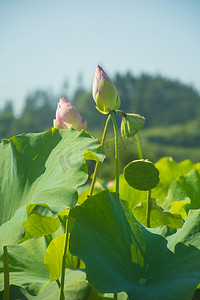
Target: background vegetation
171 109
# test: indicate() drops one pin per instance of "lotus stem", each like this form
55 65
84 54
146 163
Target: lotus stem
148 208
97 163
139 146
6 273
66 247
116 152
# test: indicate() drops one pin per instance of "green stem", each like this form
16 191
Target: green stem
139 146
97 163
148 207
115 296
6 273
121 112
116 161
116 151
78 263
61 294
58 283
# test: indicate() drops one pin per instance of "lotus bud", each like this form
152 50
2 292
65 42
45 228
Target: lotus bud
104 92
131 124
67 116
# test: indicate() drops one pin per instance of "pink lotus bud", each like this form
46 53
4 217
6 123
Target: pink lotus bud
67 116
104 92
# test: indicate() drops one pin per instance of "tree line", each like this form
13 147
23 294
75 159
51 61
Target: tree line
163 102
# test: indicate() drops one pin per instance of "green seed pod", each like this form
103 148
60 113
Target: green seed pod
141 175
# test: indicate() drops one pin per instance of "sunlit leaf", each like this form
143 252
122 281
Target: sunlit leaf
185 189
189 234
158 217
178 208
54 255
36 226
169 170
98 296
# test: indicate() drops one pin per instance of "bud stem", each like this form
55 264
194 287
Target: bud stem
6 273
121 112
97 163
148 208
116 151
66 247
139 146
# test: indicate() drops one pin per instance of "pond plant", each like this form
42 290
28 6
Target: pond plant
135 238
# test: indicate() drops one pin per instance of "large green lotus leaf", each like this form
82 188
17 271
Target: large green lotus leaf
76 287
158 217
12 231
185 189
189 235
120 254
42 168
169 170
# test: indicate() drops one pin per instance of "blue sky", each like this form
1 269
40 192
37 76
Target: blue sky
44 42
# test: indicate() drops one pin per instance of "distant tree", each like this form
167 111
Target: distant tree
64 89
7 120
162 101
38 112
8 107
85 104
125 86
165 102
